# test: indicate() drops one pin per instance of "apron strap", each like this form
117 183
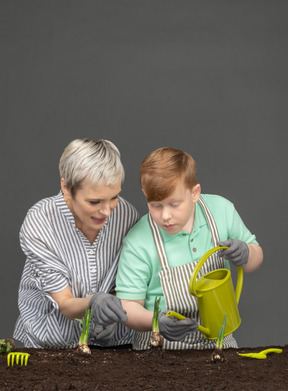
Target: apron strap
213 229
158 243
210 221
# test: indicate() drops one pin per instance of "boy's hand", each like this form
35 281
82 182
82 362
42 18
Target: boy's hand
174 329
237 253
107 309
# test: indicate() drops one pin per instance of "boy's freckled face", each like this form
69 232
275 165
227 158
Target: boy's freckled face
176 212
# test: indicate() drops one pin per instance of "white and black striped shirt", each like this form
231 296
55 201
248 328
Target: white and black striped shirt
57 255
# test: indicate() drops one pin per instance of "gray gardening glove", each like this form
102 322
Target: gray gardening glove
104 334
237 253
174 329
107 309
107 312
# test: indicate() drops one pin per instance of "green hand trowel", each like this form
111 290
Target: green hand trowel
261 355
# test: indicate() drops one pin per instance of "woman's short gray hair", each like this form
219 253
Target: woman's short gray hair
98 161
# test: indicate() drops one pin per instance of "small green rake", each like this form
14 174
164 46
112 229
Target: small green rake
21 358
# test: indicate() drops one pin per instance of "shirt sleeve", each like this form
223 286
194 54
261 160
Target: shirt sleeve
126 216
236 229
134 274
37 240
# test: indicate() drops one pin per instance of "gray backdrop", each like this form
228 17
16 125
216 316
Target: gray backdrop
209 77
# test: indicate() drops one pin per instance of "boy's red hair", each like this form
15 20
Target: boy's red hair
163 169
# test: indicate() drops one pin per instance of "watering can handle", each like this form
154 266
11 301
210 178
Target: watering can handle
239 283
200 264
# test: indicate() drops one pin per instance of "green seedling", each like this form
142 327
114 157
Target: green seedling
156 340
261 355
217 354
21 358
6 345
83 340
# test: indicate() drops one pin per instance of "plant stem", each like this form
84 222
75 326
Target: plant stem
156 340
83 340
217 354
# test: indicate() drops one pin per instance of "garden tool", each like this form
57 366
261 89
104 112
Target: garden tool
261 355
22 357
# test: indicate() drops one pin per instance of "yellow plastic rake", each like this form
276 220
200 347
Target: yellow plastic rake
19 356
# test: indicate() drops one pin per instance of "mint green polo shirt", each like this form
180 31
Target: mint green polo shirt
139 266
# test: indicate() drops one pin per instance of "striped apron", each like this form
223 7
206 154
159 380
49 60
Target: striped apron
175 286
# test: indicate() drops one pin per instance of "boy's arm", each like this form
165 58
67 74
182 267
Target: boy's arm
139 318
255 258
171 329
239 253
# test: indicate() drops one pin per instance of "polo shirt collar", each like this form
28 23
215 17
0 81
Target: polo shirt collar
199 222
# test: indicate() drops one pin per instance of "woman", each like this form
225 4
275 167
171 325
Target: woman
72 243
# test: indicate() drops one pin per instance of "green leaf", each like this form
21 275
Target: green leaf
219 343
86 322
155 322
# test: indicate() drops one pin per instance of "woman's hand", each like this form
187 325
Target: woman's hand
107 309
104 334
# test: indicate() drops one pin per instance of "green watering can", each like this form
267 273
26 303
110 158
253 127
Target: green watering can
216 297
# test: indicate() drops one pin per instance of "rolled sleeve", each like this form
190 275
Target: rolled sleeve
47 270
133 274
228 221
47 279
237 228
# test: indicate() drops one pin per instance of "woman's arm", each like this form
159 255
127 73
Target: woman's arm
70 306
139 318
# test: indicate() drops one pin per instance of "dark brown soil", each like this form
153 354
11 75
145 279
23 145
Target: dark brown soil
125 369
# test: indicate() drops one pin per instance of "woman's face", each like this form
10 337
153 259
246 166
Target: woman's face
91 206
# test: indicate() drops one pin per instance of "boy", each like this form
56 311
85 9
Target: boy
161 250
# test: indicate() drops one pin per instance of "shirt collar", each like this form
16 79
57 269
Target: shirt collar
63 207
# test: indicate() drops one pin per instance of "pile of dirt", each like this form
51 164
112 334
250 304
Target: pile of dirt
125 369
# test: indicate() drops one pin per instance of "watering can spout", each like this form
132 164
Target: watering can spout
204 330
